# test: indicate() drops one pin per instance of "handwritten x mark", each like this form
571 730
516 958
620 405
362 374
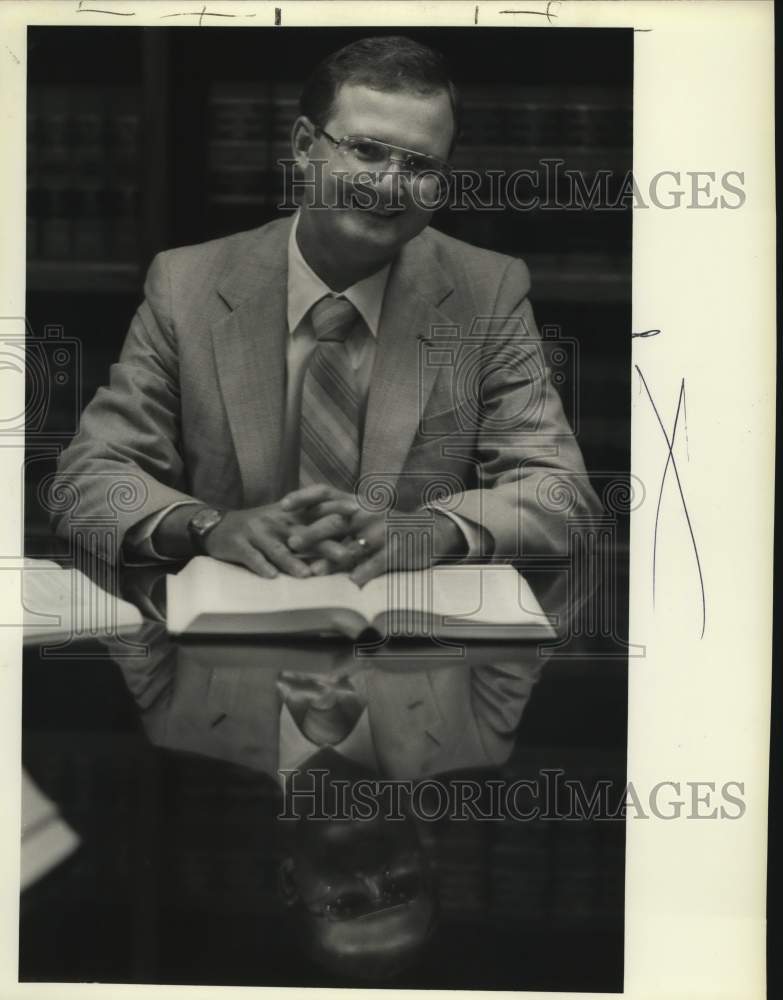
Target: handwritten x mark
671 462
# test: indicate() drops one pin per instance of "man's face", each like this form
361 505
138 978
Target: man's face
345 867
423 123
366 888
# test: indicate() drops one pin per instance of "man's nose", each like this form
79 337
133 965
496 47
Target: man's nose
373 885
392 180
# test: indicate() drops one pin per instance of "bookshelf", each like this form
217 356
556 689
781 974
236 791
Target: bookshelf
83 181
96 164
133 148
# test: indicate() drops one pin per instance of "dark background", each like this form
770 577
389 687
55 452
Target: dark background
140 139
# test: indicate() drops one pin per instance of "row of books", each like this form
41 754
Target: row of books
251 112
535 117
575 117
249 129
85 147
83 173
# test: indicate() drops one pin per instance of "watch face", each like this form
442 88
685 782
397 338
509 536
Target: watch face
205 520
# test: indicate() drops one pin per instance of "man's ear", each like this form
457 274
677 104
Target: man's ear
286 884
301 140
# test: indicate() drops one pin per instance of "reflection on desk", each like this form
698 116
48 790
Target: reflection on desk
200 864
358 884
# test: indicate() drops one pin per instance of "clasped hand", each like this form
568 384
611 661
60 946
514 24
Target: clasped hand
318 530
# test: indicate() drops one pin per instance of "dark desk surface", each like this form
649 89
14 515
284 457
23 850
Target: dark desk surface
162 756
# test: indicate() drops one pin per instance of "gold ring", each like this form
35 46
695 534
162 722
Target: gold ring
362 542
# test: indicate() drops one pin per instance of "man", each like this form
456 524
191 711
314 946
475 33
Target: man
276 383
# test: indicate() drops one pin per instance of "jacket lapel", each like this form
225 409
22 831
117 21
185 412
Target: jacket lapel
401 383
250 348
250 354
407 725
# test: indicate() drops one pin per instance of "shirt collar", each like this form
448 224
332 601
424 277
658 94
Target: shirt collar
305 288
295 748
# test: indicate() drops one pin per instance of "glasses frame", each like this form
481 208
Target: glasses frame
439 167
392 898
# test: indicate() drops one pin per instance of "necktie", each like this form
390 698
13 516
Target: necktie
330 401
325 708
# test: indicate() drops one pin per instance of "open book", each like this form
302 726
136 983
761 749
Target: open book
462 602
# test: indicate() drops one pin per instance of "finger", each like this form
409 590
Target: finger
347 506
308 495
362 518
297 682
277 552
320 567
339 554
377 555
376 565
331 526
368 538
255 561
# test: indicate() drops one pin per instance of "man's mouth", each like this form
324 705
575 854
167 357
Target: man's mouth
386 213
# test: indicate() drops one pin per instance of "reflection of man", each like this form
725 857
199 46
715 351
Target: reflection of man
272 709
290 359
361 894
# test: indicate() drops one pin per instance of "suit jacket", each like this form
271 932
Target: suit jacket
460 399
221 701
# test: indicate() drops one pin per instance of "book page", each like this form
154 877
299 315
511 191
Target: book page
487 595
208 585
480 594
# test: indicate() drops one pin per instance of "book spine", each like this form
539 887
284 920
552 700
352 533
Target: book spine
249 133
122 175
83 169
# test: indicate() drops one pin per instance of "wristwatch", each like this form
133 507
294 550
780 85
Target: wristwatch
200 525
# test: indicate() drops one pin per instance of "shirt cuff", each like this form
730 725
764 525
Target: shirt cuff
139 537
471 532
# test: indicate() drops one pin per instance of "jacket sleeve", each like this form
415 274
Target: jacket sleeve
531 474
125 462
499 694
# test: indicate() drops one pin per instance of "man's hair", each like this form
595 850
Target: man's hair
387 63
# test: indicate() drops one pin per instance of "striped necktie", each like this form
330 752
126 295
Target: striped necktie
330 401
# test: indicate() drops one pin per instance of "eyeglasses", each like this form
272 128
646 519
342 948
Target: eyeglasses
375 156
396 890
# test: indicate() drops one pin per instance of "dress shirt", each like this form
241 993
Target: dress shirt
305 288
295 749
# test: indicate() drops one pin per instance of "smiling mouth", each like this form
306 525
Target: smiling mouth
386 213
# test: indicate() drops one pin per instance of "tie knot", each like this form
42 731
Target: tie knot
325 708
333 318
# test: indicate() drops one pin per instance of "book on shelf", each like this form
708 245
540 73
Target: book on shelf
463 601
249 132
83 171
